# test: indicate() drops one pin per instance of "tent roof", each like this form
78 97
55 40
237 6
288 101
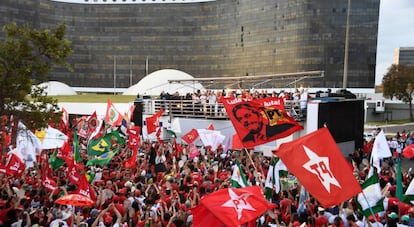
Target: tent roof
153 84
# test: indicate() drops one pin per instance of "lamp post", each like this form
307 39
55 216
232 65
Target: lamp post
345 77
114 75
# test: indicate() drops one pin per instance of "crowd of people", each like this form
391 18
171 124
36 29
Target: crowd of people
166 183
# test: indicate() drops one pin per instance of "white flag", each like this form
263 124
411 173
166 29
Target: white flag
27 145
410 189
380 150
54 139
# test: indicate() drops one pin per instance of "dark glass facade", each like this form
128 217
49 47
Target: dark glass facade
209 39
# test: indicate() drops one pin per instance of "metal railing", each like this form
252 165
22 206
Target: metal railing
190 109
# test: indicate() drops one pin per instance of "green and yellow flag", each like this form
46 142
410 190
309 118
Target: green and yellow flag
103 159
104 144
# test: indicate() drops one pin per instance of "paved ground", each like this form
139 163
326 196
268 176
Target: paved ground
392 129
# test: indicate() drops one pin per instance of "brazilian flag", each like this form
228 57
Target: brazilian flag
104 144
90 176
103 159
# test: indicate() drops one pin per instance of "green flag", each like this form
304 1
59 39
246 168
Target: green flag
103 159
104 143
399 186
277 169
75 146
54 161
238 179
172 133
371 199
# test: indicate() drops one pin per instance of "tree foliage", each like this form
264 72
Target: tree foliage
26 58
399 83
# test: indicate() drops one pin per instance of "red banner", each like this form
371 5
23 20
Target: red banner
260 121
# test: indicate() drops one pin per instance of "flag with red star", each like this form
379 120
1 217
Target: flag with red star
230 207
317 162
153 122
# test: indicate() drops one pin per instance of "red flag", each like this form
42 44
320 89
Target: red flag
132 161
153 122
408 151
48 183
2 169
317 162
158 134
15 167
65 153
112 116
261 120
133 133
84 188
237 144
64 122
72 174
191 136
93 123
230 207
210 126
178 148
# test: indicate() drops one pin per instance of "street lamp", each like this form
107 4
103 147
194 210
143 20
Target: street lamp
345 77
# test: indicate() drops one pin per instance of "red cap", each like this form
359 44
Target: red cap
137 192
122 191
108 220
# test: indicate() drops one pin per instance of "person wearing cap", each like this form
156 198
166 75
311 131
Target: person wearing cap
404 220
93 215
411 216
321 220
392 220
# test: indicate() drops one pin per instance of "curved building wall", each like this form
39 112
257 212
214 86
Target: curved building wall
120 43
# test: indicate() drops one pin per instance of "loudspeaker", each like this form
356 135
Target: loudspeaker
343 118
137 114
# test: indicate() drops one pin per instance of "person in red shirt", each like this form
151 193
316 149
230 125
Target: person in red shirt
321 220
285 206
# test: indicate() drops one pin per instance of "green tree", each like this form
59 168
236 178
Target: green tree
399 83
26 57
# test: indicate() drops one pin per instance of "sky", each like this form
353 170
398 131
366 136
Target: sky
395 29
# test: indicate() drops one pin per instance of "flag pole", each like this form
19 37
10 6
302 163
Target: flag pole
251 160
370 208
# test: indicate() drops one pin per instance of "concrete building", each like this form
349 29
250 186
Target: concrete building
404 56
117 42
